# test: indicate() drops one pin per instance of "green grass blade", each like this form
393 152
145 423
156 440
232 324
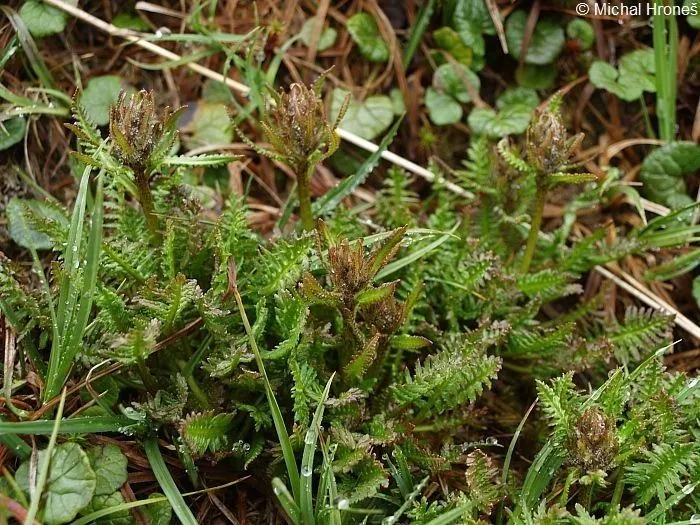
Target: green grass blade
509 457
396 265
307 462
345 187
15 444
448 517
278 420
417 32
44 469
78 425
91 266
287 501
76 290
166 482
94 516
29 47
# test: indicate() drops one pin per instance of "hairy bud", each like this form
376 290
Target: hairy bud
593 443
298 129
549 147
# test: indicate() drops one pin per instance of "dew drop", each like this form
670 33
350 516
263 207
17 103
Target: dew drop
306 471
343 504
161 32
491 441
276 491
310 437
385 456
688 489
246 447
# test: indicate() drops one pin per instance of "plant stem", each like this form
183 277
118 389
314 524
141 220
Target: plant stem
537 211
303 179
619 488
146 201
146 377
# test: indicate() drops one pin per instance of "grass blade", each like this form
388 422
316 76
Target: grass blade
307 461
44 470
78 425
29 47
167 483
509 457
77 290
344 188
287 501
417 32
414 256
282 435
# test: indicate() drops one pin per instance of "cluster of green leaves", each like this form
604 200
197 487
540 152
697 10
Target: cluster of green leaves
459 56
370 344
86 483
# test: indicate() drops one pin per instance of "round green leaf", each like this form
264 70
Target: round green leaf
126 20
663 170
693 8
367 119
42 19
210 125
109 465
99 94
579 29
536 77
518 96
448 40
442 108
604 76
12 132
452 79
215 91
639 67
479 119
158 513
325 41
118 517
696 289
471 19
364 31
511 120
70 485
545 44
22 231
475 12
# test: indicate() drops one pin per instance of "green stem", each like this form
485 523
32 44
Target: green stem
619 488
198 392
146 377
146 201
540 198
586 496
304 191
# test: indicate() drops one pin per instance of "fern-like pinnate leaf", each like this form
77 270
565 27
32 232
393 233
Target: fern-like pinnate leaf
446 380
206 432
642 332
664 469
559 403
